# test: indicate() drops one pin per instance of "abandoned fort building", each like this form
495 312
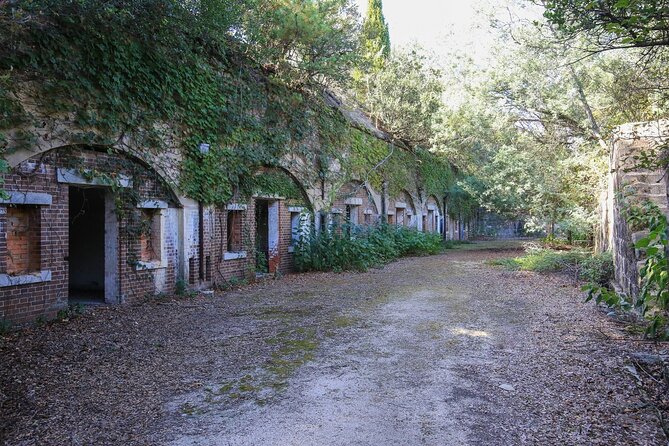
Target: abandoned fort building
65 237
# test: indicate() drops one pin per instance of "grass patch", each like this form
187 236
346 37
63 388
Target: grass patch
543 260
295 348
343 321
596 268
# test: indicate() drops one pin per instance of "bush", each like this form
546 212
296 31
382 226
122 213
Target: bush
597 269
592 268
360 248
545 260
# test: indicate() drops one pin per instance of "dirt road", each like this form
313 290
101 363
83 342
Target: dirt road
442 350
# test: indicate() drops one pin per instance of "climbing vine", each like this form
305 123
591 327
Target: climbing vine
272 183
169 83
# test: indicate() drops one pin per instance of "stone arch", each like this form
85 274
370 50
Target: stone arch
358 202
403 212
300 195
432 215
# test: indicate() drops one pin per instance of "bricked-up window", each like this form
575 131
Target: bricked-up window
295 227
399 216
151 238
24 236
233 234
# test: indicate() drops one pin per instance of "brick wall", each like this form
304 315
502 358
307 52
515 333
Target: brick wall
359 191
25 302
23 238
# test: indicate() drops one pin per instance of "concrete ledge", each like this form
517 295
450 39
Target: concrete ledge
234 255
72 176
152 204
236 207
431 207
25 279
353 201
295 209
400 205
269 197
144 266
34 198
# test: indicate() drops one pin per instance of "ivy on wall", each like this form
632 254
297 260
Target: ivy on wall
159 88
273 183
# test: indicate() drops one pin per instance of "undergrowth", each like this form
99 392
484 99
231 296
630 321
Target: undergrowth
594 268
357 248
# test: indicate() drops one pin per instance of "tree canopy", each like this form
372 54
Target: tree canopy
612 24
375 35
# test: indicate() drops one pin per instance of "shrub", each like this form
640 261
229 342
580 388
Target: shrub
546 260
360 248
597 269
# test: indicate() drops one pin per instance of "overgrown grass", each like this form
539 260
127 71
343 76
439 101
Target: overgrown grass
596 268
360 248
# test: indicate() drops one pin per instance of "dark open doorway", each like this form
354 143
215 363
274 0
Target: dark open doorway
87 244
262 236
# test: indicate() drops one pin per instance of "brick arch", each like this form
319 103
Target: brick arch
107 252
432 215
359 189
290 174
166 176
432 199
402 210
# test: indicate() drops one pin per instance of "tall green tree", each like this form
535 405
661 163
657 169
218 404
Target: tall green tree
375 35
405 95
612 24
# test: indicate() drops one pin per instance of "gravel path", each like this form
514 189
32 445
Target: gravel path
441 350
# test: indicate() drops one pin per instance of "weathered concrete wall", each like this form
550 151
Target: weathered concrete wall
629 184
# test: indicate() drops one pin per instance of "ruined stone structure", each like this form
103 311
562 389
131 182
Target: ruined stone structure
629 184
66 237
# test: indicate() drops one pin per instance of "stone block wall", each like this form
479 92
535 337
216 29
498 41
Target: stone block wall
629 184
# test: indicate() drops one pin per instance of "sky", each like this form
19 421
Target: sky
444 26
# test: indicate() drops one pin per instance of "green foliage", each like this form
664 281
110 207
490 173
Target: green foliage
613 23
70 312
140 68
367 156
406 95
180 287
304 42
361 248
597 269
272 183
375 36
653 300
435 172
5 326
545 260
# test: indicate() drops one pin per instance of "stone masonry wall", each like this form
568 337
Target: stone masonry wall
629 184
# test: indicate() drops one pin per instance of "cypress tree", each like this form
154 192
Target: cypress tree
375 35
